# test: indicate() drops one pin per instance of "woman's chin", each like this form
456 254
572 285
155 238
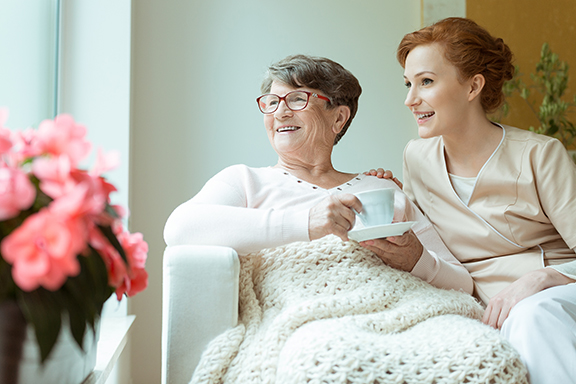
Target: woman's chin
285 146
426 133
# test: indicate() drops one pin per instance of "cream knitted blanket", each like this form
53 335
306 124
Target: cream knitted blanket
329 311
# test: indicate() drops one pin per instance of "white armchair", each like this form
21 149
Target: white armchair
195 278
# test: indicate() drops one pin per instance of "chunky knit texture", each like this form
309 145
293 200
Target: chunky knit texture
329 311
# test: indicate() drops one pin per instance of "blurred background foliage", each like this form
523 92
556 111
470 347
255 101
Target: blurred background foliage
544 94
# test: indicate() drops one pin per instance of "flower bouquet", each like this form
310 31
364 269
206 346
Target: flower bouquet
63 249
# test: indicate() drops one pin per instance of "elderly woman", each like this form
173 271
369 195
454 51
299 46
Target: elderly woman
313 305
308 105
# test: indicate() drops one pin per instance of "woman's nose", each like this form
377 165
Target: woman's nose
282 110
411 98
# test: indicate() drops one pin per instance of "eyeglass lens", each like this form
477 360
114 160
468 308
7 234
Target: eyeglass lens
294 100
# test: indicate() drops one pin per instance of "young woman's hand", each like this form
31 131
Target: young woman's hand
499 306
384 174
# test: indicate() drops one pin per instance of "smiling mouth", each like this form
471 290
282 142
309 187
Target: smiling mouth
421 116
287 129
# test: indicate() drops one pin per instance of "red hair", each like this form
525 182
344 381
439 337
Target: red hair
472 50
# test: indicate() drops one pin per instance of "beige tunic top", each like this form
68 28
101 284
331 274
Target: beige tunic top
522 211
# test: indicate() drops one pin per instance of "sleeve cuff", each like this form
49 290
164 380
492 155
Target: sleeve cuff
295 226
567 269
426 268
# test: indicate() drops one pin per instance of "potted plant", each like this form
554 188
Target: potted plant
550 82
63 248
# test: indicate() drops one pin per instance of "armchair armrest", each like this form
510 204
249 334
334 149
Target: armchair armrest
199 301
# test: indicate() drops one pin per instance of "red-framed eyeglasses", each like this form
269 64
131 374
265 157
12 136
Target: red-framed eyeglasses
295 101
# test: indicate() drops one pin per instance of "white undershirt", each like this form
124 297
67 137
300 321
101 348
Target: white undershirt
463 186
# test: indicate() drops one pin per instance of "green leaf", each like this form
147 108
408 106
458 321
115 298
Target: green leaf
75 294
111 211
42 309
107 231
7 286
77 327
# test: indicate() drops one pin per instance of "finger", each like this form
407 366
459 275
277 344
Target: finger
491 315
398 240
382 255
342 235
343 226
343 216
350 202
344 221
402 240
486 316
334 225
503 316
378 246
345 213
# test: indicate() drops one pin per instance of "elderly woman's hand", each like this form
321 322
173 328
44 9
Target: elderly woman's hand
333 215
400 252
384 174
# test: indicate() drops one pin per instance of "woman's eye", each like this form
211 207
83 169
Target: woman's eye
407 84
426 81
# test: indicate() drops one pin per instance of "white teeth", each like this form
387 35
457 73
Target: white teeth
285 129
424 115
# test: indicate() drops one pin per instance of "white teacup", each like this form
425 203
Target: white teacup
377 207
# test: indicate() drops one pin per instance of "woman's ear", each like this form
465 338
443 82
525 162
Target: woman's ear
342 116
477 83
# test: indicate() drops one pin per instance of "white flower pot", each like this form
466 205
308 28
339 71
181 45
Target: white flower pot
66 364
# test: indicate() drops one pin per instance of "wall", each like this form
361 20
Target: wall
95 78
434 10
525 25
196 71
95 48
28 38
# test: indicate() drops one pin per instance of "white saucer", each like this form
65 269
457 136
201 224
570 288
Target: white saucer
380 231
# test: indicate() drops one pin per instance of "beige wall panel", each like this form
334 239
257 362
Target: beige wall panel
525 25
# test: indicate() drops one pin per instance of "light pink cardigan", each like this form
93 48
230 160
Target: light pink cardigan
250 209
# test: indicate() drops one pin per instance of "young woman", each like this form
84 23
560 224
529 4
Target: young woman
503 199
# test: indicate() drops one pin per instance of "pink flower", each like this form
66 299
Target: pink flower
5 140
136 248
136 252
23 146
5 134
43 250
63 136
114 263
75 192
105 162
120 210
98 193
54 175
16 192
